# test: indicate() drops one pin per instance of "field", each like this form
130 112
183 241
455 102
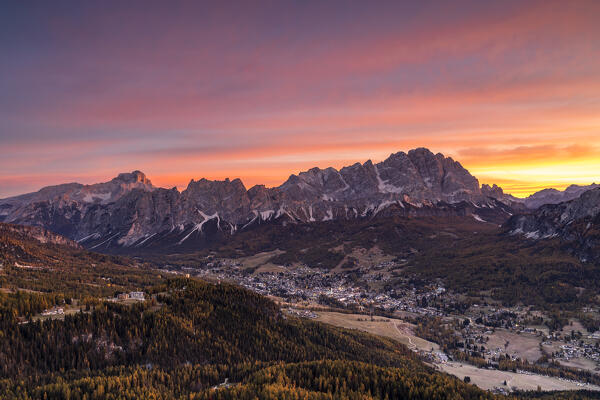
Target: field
574 325
489 378
523 345
388 327
363 257
526 345
581 363
260 262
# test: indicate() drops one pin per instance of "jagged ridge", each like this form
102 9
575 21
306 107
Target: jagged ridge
575 222
129 212
554 196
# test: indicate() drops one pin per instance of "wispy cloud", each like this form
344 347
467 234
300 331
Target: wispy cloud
260 91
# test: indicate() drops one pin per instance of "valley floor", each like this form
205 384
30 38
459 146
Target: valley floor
488 379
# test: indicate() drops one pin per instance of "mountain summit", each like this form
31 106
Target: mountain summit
133 178
130 211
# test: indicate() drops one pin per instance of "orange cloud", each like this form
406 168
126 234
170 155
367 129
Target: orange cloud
510 90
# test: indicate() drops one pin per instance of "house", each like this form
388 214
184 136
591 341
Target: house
136 295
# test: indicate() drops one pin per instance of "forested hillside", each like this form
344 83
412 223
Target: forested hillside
38 260
194 336
188 340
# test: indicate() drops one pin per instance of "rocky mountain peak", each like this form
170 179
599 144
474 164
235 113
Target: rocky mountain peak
420 152
215 197
492 191
204 185
133 177
554 196
128 210
578 189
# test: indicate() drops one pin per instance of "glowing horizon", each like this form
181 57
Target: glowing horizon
516 187
510 90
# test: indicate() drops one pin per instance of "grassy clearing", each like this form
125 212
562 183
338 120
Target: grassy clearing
489 378
524 345
387 327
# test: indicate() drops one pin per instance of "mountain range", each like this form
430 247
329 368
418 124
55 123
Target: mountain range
575 222
554 196
129 212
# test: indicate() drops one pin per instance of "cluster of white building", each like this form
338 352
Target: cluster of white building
132 296
54 311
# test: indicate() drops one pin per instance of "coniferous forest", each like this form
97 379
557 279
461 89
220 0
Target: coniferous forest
190 339
194 336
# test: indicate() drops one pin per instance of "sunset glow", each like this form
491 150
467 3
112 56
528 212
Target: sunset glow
511 90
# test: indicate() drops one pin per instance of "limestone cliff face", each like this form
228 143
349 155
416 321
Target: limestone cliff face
129 211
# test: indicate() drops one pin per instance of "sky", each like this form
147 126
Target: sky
263 89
